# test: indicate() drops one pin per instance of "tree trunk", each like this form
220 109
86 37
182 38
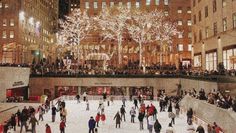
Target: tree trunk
140 55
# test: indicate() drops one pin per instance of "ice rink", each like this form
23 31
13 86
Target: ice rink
77 119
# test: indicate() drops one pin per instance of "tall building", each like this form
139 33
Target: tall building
178 10
214 33
27 29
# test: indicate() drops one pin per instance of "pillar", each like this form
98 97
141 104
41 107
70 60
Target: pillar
203 56
219 51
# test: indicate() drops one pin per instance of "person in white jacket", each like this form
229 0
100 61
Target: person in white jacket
190 127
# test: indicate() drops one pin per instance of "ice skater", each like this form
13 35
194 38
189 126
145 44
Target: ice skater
118 119
87 105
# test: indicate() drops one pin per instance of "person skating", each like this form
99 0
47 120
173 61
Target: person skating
100 103
97 119
190 127
23 119
217 128
33 121
177 109
104 95
48 129
91 124
172 116
103 117
189 115
200 129
157 126
78 98
18 114
54 111
150 124
62 126
64 114
87 105
132 114
123 100
84 96
118 119
13 121
140 118
41 112
122 111
136 103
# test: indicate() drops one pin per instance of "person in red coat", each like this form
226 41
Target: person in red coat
103 117
48 129
62 126
97 119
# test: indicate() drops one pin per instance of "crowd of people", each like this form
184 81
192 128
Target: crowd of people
215 97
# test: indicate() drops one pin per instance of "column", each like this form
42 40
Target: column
203 56
219 51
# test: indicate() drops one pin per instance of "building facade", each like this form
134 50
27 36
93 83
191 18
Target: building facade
180 50
27 29
214 33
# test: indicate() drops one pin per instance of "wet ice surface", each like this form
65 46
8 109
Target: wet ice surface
77 119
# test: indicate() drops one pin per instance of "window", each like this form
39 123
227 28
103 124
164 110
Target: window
180 35
214 6
211 61
6 5
200 35
95 5
197 60
120 3
194 3
87 5
166 13
137 4
11 34
189 22
166 2
224 3
206 11
179 10
148 2
227 54
12 23
207 32
180 22
199 16
129 5
189 47
190 35
215 28
103 4
224 24
194 19
4 22
111 4
180 47
4 34
0 5
234 20
157 2
189 10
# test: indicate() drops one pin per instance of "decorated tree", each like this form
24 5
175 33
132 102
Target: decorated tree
140 28
75 28
112 24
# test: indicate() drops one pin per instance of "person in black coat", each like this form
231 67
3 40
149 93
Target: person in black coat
18 114
54 111
189 115
200 129
122 111
118 119
140 118
91 124
13 121
157 127
136 103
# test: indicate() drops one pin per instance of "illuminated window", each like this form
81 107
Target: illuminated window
137 4
180 22
180 35
157 2
148 2
87 5
12 22
179 10
103 4
166 13
189 22
95 4
4 34
12 34
234 20
189 47
0 5
166 2
111 4
224 24
6 5
129 5
180 47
